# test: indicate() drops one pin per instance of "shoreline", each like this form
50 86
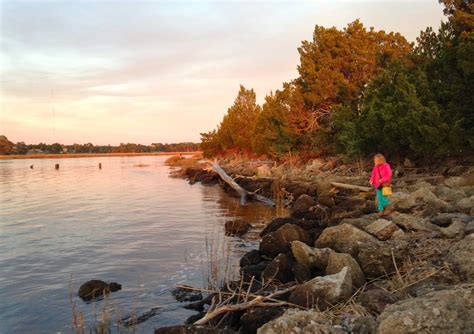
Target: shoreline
310 272
90 155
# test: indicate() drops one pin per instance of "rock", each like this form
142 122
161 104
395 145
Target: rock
461 258
264 172
446 311
301 272
324 291
309 256
469 229
456 229
95 289
255 318
280 241
337 261
376 299
276 223
377 258
382 229
186 294
305 322
360 222
253 270
411 223
302 205
344 238
466 205
236 227
423 196
279 269
192 329
251 257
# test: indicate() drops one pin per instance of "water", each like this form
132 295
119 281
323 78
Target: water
128 222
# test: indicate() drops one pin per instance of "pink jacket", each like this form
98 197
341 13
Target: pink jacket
381 174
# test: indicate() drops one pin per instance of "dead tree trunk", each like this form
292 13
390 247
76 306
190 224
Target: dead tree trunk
244 194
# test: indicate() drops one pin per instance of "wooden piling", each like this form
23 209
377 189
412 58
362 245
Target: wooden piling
100 165
56 166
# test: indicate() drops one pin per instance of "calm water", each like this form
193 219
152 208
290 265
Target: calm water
129 222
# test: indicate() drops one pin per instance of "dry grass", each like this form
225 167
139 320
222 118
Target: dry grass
184 162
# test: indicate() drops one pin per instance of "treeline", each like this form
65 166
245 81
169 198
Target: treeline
361 91
7 147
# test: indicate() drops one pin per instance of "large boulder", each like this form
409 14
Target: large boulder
96 289
256 317
374 256
410 222
337 261
379 258
324 291
446 311
276 223
309 256
461 258
423 196
279 269
280 241
302 205
296 321
344 238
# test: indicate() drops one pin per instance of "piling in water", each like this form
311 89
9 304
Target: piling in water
100 165
56 166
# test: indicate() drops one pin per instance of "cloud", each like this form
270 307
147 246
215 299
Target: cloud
149 71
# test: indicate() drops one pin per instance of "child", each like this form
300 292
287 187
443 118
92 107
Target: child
381 176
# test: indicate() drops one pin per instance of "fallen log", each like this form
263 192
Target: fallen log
244 194
351 186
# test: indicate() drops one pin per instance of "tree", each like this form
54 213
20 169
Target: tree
237 127
399 117
6 146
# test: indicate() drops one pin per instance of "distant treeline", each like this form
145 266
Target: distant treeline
7 147
361 91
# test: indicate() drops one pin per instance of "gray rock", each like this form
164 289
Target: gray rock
446 311
337 261
469 229
466 205
303 204
377 258
256 317
302 322
324 291
456 229
376 299
382 229
461 258
236 227
344 238
309 256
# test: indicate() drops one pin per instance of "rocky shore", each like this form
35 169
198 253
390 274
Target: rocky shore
333 266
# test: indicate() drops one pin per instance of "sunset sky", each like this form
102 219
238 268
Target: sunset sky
154 71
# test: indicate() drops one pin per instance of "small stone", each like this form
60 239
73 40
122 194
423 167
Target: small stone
407 321
469 229
237 227
337 261
309 256
95 289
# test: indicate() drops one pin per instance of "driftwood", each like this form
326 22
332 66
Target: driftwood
351 186
258 301
244 194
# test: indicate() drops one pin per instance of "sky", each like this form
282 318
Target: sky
136 71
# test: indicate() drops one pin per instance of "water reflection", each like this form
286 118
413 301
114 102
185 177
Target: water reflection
123 223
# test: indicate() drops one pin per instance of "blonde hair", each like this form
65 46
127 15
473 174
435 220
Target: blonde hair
380 156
